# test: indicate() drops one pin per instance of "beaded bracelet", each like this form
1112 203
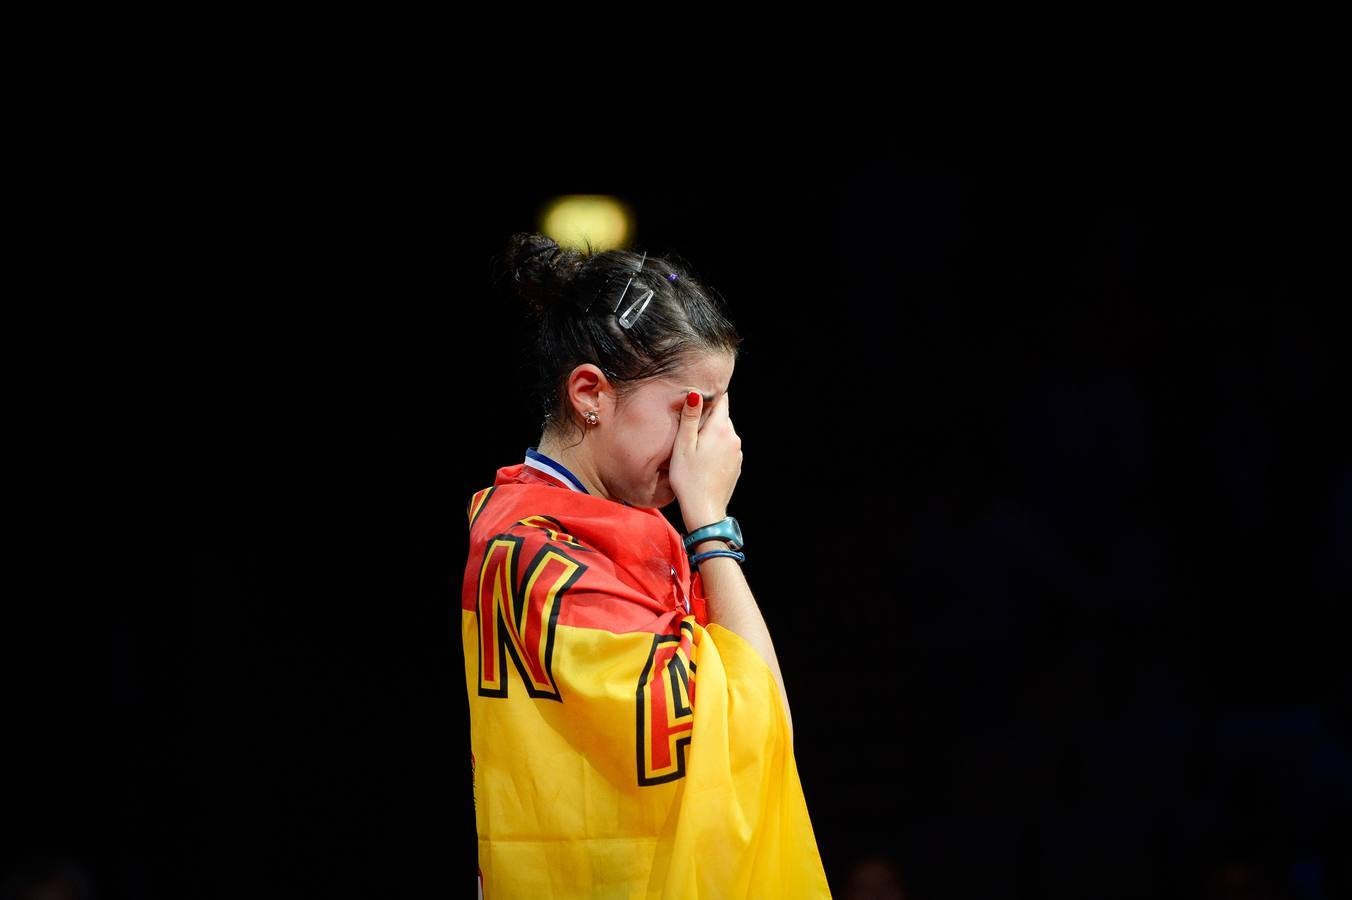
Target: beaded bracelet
696 559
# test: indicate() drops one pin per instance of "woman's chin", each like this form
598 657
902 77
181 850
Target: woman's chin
660 494
659 497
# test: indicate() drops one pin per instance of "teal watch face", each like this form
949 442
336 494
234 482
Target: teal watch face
727 528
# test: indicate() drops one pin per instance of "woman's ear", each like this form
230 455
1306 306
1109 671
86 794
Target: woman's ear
587 385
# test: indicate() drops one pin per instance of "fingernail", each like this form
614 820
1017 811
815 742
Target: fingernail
692 398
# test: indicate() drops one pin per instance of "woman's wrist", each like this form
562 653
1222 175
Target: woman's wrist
711 544
700 519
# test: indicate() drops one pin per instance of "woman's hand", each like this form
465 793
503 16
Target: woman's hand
705 462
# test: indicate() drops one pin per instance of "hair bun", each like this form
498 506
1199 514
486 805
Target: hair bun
537 268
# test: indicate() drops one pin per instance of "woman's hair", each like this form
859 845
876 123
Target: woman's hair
571 295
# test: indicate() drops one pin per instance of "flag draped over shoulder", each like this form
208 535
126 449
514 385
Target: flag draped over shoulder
622 746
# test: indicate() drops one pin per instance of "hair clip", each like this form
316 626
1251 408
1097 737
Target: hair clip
630 315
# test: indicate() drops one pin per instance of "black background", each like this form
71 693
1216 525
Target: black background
1045 499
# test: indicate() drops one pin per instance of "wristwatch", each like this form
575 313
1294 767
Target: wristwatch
726 529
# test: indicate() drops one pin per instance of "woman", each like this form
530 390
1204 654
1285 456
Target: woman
630 733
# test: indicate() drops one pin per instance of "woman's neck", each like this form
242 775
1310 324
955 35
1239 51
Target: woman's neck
576 460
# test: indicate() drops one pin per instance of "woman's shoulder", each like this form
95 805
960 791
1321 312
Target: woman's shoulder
605 525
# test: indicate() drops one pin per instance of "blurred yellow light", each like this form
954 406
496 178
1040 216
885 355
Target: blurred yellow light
575 220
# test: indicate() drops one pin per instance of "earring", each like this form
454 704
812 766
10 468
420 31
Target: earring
591 417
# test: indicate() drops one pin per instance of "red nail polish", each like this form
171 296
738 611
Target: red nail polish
692 399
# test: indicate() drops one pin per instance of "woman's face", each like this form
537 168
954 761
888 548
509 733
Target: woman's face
636 449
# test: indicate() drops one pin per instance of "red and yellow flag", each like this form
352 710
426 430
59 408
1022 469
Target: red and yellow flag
623 746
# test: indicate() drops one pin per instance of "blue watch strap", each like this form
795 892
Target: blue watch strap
725 529
700 557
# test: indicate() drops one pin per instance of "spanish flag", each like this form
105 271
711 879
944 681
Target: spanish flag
622 746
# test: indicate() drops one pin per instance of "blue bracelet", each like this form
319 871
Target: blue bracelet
700 557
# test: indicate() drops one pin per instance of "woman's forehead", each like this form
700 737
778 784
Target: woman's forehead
709 374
